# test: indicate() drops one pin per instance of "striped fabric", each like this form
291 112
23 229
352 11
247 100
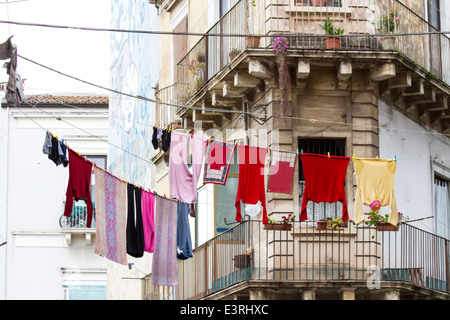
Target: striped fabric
165 253
111 215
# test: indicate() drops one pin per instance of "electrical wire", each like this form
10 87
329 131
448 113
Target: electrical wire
139 97
201 34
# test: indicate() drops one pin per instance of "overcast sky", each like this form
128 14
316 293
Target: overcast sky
83 54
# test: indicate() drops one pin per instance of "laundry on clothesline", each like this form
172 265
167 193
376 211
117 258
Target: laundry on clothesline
78 187
148 219
324 181
135 226
376 180
55 149
182 180
281 172
219 156
184 242
161 137
251 179
111 216
164 266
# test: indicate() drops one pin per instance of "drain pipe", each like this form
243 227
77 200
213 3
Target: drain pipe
6 196
244 110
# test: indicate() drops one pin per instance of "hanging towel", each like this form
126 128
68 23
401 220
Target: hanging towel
111 205
148 219
375 179
281 172
135 227
324 181
251 179
79 185
182 180
218 160
164 266
184 242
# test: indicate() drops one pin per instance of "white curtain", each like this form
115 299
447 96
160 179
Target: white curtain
442 208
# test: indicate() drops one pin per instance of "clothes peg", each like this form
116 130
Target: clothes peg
192 134
353 157
395 158
328 155
302 151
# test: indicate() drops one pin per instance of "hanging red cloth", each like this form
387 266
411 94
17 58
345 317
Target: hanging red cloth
251 179
79 185
324 181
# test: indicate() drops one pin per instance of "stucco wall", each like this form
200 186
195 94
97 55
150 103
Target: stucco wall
416 150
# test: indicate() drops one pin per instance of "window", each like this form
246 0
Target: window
442 206
433 9
335 147
319 3
215 206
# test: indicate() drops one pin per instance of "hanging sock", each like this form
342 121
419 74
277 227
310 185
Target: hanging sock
155 138
324 181
47 147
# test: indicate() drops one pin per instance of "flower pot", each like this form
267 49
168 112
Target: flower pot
252 42
333 42
318 3
322 225
386 226
388 43
277 226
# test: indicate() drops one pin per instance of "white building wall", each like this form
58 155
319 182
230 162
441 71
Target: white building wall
35 260
419 152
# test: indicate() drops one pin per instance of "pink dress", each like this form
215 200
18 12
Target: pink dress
182 180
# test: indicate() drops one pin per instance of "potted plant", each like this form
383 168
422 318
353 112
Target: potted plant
284 224
233 53
388 24
333 42
335 224
381 221
318 3
322 224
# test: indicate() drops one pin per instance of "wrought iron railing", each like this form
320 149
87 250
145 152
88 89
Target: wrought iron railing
165 106
77 219
369 25
355 253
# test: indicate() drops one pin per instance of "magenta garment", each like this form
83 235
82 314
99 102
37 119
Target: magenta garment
164 266
182 181
148 219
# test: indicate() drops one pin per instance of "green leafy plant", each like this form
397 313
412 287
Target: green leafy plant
335 224
375 218
290 218
389 22
330 29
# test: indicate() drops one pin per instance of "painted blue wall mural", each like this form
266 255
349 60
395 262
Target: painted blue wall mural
134 70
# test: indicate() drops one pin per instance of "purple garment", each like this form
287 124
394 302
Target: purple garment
182 180
148 217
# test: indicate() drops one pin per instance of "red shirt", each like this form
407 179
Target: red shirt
251 178
324 181
79 185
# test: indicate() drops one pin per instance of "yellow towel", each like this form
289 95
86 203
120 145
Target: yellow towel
375 178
